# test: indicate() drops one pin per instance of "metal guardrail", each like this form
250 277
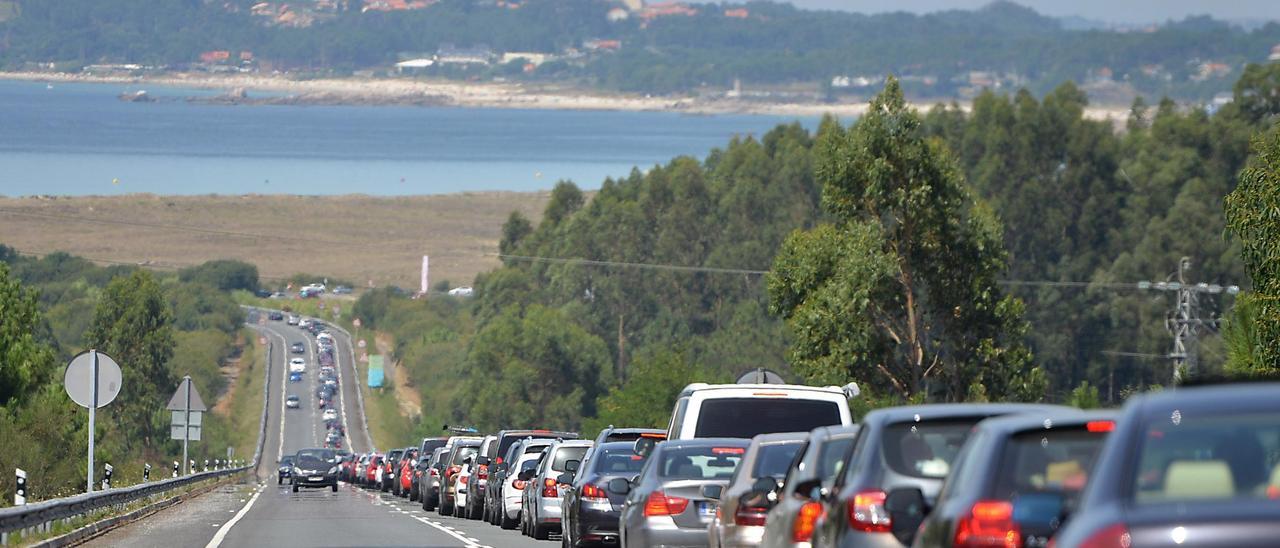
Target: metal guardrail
20 518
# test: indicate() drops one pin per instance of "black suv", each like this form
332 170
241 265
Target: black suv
315 468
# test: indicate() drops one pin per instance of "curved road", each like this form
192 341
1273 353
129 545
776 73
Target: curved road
267 514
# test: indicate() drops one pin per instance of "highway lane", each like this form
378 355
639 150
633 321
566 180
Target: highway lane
267 514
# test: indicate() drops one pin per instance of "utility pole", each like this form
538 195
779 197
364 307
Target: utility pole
1184 322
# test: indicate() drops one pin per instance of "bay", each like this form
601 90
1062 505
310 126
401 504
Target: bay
80 139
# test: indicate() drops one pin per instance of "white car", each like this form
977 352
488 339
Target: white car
294 319
331 414
464 291
304 323
293 402
297 365
717 410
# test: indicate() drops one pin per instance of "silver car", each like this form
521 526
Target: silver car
791 520
540 515
672 501
740 519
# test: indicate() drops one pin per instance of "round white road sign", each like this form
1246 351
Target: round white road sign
78 379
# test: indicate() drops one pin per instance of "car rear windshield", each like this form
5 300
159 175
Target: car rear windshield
506 441
700 462
749 417
1209 457
832 457
925 449
774 459
566 454
617 462
1051 461
429 446
461 453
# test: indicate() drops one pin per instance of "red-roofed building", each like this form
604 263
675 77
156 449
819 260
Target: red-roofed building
739 13
214 56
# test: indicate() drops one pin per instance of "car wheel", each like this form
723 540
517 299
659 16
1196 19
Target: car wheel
539 532
295 488
413 495
506 522
333 488
280 481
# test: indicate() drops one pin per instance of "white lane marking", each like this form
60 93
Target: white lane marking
226 528
284 387
342 401
468 543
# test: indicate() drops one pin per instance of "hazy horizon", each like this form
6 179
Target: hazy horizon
1109 11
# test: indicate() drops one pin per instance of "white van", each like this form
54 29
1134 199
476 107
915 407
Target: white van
746 410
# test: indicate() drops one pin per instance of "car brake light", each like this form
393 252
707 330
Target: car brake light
497 460
549 488
434 473
989 524
519 484
659 504
728 450
806 519
1113 536
1100 426
594 492
866 512
482 471
751 516
463 480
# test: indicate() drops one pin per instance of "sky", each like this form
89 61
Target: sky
1112 11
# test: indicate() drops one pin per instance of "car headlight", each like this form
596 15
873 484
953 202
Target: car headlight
333 470
298 471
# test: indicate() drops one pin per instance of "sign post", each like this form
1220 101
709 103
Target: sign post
20 493
92 379
188 409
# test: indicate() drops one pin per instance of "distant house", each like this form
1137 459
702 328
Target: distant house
215 56
530 57
602 45
666 9
449 54
1210 70
1275 53
617 14
739 13
414 66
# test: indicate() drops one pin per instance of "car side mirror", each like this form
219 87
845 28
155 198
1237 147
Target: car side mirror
527 475
482 460
644 446
712 491
572 466
619 486
907 510
809 489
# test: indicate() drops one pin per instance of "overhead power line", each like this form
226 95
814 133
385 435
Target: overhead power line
620 264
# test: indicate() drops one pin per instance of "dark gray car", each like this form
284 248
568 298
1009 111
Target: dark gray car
911 446
589 512
1014 482
1186 467
429 482
667 504
739 520
790 521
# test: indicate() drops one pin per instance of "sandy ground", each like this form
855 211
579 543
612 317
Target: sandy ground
481 94
360 238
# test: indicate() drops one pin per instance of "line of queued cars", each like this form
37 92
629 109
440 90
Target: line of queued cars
783 465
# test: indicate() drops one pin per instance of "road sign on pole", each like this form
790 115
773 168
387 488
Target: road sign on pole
187 409
93 380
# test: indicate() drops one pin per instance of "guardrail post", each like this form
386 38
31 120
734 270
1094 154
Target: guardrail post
146 472
106 475
20 493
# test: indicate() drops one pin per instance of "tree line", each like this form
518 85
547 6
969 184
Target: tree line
776 44
158 327
948 255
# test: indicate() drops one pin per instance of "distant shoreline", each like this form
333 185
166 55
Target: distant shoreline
406 92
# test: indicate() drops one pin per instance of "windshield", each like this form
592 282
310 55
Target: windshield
1054 461
1209 457
700 462
925 449
327 455
312 462
749 417
774 459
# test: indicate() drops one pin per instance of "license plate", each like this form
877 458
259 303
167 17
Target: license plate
706 509
316 478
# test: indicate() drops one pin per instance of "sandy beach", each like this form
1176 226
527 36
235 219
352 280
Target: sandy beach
438 92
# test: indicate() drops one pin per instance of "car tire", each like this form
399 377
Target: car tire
413 495
445 509
506 522
279 481
333 488
539 532
295 488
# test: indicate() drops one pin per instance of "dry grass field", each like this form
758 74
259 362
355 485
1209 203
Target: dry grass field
353 237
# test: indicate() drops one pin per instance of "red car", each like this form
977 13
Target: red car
405 477
371 471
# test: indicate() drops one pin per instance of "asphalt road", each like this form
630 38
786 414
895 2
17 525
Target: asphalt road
267 514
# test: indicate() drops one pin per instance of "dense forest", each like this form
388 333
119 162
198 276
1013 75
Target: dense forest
1049 221
159 327
776 44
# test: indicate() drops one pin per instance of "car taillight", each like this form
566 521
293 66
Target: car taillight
497 460
519 484
452 470
989 524
549 488
1113 536
594 492
867 513
482 472
463 480
806 519
434 473
751 516
659 504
